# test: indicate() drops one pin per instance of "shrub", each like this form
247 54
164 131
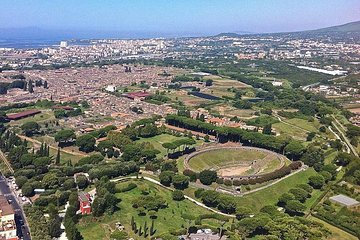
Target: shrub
207 177
191 174
178 195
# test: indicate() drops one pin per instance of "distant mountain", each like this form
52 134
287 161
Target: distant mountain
348 27
233 34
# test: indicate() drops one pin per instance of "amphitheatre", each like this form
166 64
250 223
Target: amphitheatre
235 162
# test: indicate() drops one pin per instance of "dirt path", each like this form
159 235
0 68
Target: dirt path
55 148
6 161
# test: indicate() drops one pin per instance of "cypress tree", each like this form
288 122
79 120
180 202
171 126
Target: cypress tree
152 228
132 223
30 87
57 160
41 150
145 229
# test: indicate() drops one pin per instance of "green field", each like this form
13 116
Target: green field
270 195
168 219
158 140
226 157
305 124
288 130
336 233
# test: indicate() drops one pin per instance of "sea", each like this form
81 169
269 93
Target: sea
38 43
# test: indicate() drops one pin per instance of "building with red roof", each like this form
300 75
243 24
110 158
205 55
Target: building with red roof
85 202
24 114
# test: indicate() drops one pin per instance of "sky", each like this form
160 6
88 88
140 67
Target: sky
196 17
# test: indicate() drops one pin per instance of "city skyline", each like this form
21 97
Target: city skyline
175 18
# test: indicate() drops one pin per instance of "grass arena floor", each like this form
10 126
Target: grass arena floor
235 162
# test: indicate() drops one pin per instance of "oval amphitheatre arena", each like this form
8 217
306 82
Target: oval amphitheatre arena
235 162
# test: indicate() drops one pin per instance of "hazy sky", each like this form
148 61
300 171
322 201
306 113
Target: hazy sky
178 16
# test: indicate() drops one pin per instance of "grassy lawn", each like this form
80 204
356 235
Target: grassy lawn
65 157
223 157
336 233
173 217
158 140
270 195
188 100
230 111
288 130
304 124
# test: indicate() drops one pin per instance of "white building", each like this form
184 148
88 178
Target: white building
110 88
63 44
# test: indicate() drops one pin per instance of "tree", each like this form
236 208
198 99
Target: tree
86 143
208 82
65 136
30 128
180 181
82 181
210 198
54 225
58 158
310 136
299 194
207 177
313 157
317 181
177 195
27 189
50 180
21 180
227 204
294 207
267 129
343 159
27 159
327 176
98 207
242 212
30 86
284 198
42 161
166 177
68 184
294 149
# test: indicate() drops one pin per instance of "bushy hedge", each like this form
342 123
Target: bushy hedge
226 134
114 170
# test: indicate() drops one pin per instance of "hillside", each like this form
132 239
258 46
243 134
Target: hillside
348 27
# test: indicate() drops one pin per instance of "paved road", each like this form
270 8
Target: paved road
22 228
337 124
186 197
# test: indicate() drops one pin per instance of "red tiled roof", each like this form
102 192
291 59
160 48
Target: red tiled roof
19 115
137 94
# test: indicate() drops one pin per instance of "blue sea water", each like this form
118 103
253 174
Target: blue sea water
35 44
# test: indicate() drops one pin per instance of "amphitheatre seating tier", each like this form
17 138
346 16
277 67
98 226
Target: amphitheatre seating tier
266 161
